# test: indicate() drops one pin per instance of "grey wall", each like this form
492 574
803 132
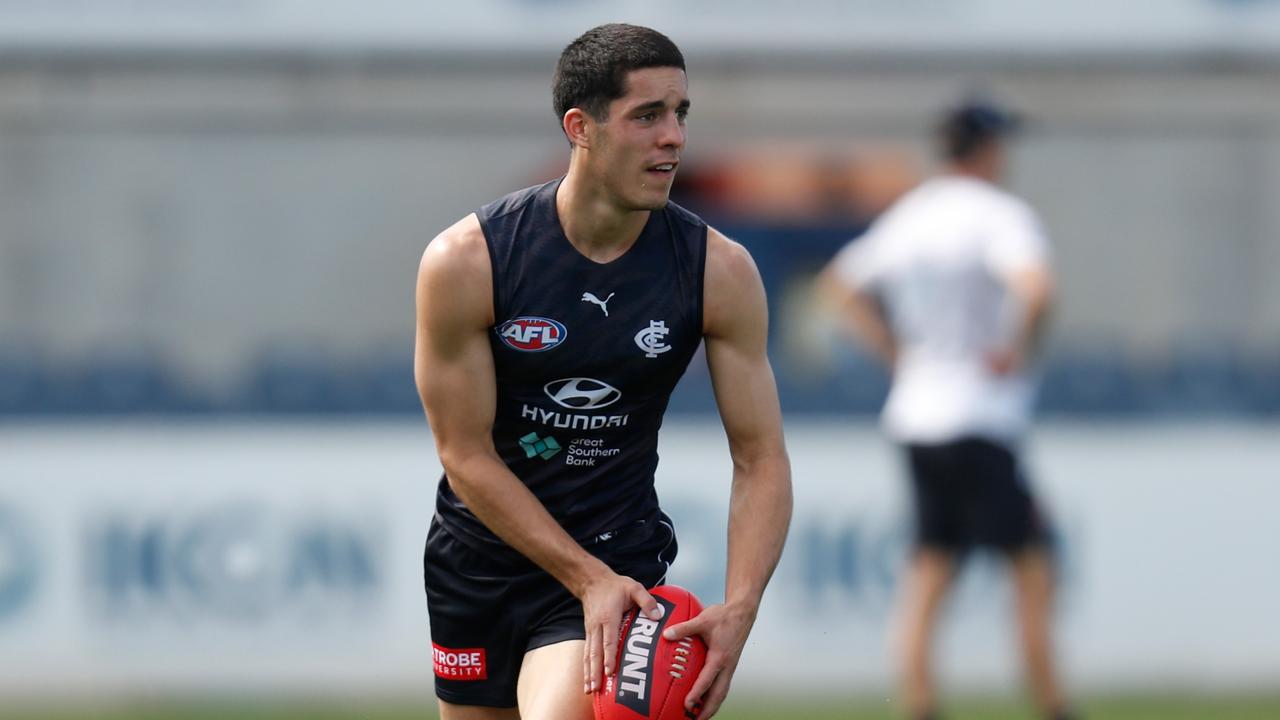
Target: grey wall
204 208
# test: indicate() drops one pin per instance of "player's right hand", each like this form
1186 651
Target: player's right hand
604 601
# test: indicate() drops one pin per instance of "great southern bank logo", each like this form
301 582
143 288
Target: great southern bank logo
534 446
532 334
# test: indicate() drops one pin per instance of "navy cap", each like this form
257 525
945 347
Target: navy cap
972 123
981 117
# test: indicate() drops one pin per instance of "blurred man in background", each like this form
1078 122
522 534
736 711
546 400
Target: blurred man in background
553 325
951 288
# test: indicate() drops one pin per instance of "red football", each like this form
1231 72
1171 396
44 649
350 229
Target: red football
654 674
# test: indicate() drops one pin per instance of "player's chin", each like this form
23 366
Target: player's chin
652 198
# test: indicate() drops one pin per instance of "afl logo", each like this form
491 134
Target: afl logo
532 334
582 393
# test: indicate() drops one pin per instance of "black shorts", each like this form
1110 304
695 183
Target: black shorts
972 493
486 613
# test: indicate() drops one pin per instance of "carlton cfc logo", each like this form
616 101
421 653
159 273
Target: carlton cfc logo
532 334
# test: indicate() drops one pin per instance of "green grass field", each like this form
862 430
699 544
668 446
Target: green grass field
1167 707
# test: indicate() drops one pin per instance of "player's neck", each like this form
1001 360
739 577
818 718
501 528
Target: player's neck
985 163
976 171
593 223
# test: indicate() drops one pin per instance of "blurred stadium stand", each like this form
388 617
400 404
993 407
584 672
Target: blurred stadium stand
236 230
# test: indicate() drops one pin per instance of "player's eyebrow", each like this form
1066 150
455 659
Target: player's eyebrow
658 105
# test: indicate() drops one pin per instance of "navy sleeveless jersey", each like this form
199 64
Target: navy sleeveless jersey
586 356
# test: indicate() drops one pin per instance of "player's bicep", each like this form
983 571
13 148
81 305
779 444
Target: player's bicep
737 352
1032 284
453 362
457 388
746 396
1016 242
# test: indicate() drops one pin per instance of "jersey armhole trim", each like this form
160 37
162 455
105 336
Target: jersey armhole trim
493 267
701 289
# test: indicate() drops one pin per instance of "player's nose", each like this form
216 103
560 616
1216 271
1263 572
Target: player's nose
673 133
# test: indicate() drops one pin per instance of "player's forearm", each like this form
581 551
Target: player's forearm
508 508
759 516
1034 292
1034 319
867 320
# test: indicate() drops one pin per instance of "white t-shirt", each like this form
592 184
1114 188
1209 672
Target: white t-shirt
936 259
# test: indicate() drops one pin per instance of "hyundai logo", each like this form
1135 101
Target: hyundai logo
582 393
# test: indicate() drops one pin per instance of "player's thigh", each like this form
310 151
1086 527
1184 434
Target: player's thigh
449 711
1005 515
480 612
550 686
939 497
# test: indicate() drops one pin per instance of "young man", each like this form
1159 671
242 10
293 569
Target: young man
553 325
951 287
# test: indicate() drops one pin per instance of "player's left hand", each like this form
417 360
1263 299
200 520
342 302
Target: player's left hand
724 628
604 600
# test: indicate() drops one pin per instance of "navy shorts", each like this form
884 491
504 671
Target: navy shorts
972 493
487 612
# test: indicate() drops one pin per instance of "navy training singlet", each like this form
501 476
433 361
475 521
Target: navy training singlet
586 356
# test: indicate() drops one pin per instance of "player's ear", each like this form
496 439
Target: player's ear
576 124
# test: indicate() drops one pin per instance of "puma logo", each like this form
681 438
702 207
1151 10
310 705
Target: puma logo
604 304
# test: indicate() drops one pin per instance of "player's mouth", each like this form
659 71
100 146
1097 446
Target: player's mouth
666 170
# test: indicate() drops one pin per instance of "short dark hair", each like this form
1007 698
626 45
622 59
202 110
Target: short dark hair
968 128
592 71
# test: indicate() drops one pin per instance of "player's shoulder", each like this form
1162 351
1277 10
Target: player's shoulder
924 200
998 199
733 292
1011 217
459 250
729 264
1007 198
726 251
463 246
515 202
680 216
